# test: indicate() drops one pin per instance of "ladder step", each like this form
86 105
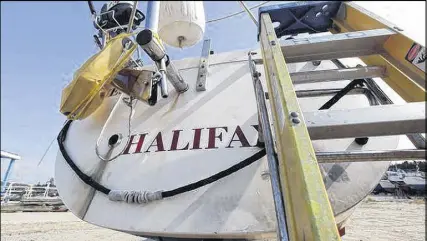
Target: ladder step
369 156
327 92
337 74
384 120
335 46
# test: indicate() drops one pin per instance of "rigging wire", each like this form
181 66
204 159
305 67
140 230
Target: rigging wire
236 13
50 145
41 159
249 12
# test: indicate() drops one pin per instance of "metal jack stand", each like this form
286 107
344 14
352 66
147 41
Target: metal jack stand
13 158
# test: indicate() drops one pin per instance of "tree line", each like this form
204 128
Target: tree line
409 166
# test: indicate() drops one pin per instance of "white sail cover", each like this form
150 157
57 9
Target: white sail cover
181 23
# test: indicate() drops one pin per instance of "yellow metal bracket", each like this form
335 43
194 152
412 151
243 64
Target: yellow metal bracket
309 214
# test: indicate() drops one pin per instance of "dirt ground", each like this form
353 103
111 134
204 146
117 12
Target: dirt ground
376 219
387 219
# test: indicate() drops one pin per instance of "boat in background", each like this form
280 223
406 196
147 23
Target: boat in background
408 182
20 197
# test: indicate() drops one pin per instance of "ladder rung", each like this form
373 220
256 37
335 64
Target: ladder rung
335 46
384 120
326 92
370 156
337 74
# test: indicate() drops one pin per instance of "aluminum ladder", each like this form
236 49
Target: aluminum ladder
303 212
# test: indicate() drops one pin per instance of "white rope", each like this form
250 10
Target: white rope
134 196
234 14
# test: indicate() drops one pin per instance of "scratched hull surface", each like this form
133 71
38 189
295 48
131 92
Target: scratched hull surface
238 206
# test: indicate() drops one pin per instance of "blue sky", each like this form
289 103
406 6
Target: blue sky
42 43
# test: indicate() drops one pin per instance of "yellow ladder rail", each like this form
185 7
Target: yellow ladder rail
308 211
402 76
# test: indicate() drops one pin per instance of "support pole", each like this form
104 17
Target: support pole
132 16
265 136
148 41
152 23
249 12
6 175
152 16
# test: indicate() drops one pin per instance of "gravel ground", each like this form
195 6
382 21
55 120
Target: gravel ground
377 218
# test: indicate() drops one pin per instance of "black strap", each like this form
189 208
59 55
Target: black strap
192 186
353 84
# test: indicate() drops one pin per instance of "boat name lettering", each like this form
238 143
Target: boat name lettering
201 138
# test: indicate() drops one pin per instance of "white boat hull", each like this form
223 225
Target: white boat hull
237 206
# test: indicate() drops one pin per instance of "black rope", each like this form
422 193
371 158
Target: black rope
215 177
85 178
353 84
190 187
